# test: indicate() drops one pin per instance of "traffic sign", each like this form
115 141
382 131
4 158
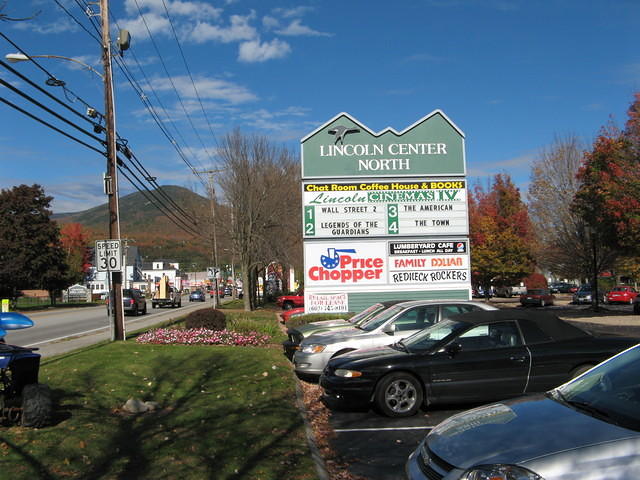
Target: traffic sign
108 256
212 272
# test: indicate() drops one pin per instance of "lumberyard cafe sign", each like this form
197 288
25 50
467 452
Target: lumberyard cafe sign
384 214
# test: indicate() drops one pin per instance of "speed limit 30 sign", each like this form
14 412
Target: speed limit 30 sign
108 256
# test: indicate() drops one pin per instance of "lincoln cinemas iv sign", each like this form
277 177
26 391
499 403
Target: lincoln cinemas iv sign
365 193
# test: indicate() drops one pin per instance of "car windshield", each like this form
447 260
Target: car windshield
584 289
427 338
380 318
366 314
610 391
126 292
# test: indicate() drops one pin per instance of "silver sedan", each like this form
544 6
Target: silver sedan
586 429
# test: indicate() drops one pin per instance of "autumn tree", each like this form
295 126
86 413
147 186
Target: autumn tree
609 197
75 239
563 239
500 233
261 186
31 255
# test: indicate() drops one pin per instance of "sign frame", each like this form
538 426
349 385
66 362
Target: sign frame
108 255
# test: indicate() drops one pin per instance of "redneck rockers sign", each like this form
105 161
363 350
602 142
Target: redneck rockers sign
384 214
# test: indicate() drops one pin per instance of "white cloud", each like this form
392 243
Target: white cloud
189 9
238 30
292 12
257 51
295 28
270 22
62 26
208 88
155 22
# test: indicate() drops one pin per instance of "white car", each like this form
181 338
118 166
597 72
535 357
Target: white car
389 326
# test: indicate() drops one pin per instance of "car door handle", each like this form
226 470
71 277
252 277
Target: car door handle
518 359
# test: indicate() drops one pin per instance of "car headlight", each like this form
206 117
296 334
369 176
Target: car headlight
499 472
341 372
313 348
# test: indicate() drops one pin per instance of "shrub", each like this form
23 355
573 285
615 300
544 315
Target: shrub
206 318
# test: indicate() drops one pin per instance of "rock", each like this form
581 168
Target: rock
152 406
135 405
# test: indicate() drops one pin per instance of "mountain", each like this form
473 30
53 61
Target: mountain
147 227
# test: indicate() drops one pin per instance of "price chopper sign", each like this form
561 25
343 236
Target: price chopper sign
108 256
368 196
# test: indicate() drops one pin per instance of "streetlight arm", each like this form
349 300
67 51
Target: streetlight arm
20 57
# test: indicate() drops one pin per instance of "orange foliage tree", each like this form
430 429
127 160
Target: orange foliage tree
500 233
609 197
75 241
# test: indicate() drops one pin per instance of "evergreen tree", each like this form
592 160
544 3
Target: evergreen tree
31 256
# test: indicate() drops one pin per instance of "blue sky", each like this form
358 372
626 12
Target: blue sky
512 74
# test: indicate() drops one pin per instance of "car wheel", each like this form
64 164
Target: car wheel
576 372
37 406
399 395
287 306
144 310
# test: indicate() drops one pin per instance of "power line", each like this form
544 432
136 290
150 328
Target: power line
37 119
184 60
155 46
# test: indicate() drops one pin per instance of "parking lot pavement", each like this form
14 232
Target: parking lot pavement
376 447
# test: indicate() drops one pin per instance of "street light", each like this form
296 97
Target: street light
20 57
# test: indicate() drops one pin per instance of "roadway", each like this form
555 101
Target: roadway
61 330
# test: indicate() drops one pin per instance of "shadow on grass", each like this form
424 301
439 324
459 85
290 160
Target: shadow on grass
207 426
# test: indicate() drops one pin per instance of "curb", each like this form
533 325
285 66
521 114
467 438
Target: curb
318 460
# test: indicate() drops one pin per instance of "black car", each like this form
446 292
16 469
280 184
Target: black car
562 287
133 301
474 357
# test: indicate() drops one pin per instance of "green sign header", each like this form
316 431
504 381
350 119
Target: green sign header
343 147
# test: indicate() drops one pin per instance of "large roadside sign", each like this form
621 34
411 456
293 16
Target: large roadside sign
385 214
108 256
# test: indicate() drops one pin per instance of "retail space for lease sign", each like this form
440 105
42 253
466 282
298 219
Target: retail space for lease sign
384 213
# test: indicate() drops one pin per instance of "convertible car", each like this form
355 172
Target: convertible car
476 357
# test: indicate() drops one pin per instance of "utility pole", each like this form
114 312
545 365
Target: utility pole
111 180
212 196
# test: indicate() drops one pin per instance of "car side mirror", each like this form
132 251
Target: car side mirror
389 329
453 349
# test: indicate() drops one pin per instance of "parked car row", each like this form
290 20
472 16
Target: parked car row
586 428
488 355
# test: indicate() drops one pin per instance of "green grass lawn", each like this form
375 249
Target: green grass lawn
225 413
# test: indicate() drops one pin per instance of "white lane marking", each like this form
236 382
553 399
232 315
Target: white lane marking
349 430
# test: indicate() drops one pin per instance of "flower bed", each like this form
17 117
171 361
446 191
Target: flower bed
202 336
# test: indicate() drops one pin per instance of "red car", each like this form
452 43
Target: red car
287 302
294 312
621 294
538 297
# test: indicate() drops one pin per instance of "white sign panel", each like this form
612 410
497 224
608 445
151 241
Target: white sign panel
108 256
353 266
327 303
345 264
382 209
436 263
